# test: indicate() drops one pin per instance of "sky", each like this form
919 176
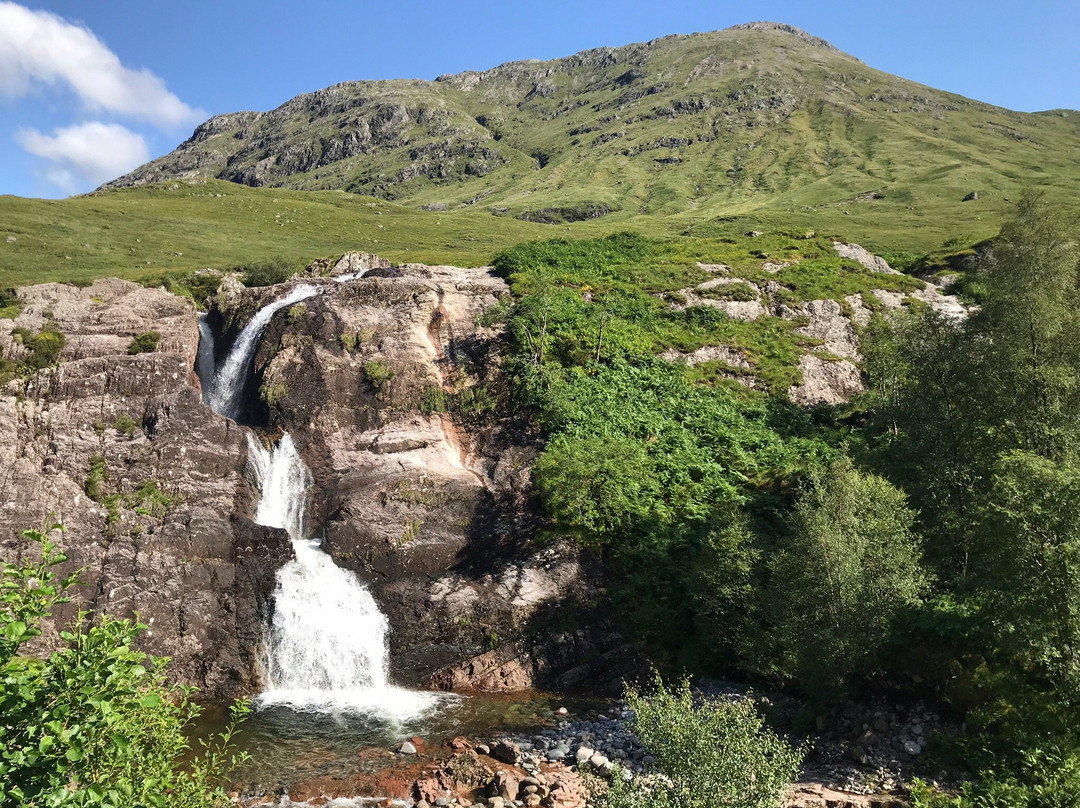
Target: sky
91 90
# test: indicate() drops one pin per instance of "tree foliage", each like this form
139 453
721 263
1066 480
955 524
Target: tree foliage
851 566
96 723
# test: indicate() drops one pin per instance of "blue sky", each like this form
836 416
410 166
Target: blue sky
89 90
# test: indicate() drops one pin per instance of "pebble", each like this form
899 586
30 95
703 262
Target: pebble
406 748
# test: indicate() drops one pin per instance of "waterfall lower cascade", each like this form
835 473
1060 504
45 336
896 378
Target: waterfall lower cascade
327 648
227 391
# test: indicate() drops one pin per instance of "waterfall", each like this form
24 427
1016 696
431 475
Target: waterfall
227 391
350 276
326 648
204 359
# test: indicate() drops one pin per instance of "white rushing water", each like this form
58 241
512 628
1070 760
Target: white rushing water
204 359
227 391
326 650
350 276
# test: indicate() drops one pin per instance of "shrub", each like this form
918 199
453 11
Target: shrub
272 392
146 342
94 478
852 565
378 373
203 285
10 308
432 400
45 347
714 753
295 312
497 312
149 500
97 722
349 340
124 425
267 273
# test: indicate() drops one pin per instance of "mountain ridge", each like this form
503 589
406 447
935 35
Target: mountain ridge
714 123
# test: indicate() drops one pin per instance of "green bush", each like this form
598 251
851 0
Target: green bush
10 308
378 373
712 753
146 342
1046 777
95 478
273 392
45 346
203 285
497 312
124 425
432 400
96 723
851 566
267 273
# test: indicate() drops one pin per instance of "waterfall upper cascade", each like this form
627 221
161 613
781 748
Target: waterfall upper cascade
327 645
204 360
227 391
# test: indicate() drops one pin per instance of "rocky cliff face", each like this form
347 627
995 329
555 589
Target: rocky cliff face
392 392
147 480
386 383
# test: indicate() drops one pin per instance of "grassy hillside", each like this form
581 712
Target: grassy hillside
140 232
704 136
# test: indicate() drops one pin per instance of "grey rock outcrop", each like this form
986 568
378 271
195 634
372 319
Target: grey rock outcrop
145 478
426 499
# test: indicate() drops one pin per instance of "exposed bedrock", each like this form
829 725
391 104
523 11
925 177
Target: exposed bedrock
387 384
427 499
147 480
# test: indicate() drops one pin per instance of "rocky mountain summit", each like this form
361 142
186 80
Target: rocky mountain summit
757 112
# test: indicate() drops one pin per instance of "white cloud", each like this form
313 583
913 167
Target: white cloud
38 47
88 153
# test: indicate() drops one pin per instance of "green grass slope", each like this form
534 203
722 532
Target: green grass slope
759 127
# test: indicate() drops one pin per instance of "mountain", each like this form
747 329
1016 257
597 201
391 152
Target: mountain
761 114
